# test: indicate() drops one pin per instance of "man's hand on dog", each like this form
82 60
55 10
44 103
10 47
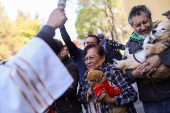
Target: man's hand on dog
154 60
148 67
143 71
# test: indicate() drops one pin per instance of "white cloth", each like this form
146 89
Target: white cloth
34 73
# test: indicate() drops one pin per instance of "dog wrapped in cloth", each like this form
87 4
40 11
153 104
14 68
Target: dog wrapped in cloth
111 89
98 81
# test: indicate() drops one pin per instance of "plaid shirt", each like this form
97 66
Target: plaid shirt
127 97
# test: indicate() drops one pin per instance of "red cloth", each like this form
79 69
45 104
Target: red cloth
51 111
111 89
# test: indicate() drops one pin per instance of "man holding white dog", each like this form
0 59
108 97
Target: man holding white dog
155 96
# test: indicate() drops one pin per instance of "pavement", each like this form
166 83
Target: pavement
138 104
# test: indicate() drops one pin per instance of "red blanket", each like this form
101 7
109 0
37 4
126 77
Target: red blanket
111 89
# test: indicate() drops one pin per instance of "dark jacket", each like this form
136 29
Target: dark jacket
68 103
76 53
112 50
149 93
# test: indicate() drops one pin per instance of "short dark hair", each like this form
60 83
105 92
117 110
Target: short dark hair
136 11
60 44
94 37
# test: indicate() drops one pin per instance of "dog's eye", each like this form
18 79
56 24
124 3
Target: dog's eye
91 80
163 29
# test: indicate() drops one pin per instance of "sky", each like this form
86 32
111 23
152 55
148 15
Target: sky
44 9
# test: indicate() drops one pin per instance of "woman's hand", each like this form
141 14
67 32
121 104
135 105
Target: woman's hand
108 99
89 91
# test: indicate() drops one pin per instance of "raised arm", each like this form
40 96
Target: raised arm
28 79
70 45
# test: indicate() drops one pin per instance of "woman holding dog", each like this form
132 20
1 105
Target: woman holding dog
94 58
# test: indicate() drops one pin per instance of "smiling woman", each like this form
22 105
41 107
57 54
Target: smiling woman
94 57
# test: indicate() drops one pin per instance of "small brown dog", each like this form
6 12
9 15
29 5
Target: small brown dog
98 80
160 37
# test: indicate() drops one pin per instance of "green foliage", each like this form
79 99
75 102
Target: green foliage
102 16
15 34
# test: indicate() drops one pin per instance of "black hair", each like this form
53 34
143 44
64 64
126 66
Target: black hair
60 44
94 37
136 11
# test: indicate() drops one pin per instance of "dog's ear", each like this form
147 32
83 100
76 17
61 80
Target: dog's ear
87 72
101 75
156 24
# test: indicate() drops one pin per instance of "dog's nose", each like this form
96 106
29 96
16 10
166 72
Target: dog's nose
153 31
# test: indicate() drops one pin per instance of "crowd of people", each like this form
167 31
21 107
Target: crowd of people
51 78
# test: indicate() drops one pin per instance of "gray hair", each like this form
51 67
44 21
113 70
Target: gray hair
136 11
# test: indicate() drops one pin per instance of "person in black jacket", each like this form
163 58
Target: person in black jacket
111 48
68 103
154 96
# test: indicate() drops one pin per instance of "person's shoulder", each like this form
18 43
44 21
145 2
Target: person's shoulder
109 41
72 65
108 65
132 40
110 68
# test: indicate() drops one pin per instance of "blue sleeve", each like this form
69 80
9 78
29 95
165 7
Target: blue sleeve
72 48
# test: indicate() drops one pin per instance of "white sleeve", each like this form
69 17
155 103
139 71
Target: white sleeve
32 79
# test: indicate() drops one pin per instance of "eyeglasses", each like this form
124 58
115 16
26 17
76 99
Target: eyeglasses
91 58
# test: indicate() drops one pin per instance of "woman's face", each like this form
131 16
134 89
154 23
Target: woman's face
93 60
